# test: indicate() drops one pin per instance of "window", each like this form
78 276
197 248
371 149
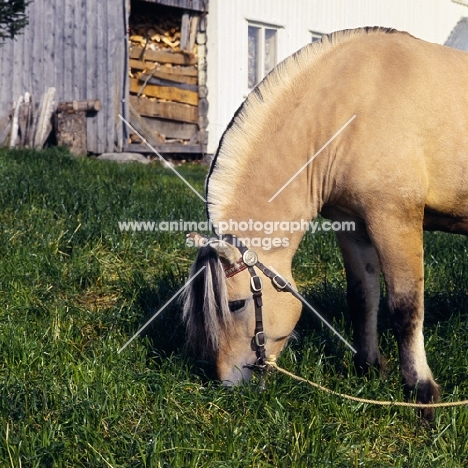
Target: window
315 36
262 52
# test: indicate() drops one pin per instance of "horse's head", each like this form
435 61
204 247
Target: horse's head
221 314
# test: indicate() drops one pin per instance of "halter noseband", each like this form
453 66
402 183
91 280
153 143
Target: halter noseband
248 261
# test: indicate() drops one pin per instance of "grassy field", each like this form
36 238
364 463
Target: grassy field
74 289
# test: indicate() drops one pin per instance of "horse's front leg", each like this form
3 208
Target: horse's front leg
363 295
399 243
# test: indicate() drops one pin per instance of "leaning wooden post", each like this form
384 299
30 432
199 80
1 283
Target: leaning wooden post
15 125
44 125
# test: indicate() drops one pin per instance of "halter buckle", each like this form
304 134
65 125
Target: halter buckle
256 283
260 339
279 282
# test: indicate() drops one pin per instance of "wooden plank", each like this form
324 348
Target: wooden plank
196 5
165 110
5 127
65 51
151 79
48 57
61 58
14 122
139 124
44 125
193 32
37 59
125 131
94 89
80 37
185 32
108 23
163 57
117 68
88 106
5 79
24 120
172 77
164 92
27 43
171 129
168 148
178 72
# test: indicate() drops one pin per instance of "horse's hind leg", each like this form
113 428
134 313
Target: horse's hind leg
399 243
363 295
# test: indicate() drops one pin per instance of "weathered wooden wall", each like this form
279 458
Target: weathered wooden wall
80 48
195 5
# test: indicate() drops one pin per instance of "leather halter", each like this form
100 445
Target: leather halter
249 261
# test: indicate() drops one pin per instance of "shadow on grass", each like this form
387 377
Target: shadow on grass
330 302
441 307
165 334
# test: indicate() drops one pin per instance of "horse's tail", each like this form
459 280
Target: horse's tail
206 310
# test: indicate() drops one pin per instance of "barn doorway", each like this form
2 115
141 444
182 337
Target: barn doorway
167 76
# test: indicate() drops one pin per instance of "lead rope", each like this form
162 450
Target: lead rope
271 362
259 339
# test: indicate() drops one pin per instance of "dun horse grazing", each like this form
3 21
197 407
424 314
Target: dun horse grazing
400 166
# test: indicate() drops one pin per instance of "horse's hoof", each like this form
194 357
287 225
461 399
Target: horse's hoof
424 392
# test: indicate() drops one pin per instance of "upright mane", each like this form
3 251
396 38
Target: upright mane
258 112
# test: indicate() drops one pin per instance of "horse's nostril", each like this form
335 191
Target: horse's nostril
235 376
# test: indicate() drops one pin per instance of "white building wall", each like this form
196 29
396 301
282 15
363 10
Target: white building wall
431 20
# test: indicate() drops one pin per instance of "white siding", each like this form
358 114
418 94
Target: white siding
431 20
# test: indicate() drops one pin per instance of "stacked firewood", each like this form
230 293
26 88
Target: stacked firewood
164 78
165 35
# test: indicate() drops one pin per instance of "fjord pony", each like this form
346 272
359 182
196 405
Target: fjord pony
399 167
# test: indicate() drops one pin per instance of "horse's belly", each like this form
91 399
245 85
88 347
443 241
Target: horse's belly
437 221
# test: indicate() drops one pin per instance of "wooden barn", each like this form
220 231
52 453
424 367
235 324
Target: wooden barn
96 65
176 70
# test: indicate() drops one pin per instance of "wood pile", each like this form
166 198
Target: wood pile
30 123
157 33
164 85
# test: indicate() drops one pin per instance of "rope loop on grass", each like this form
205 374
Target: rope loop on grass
271 362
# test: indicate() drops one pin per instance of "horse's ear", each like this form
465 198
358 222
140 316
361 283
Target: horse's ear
196 240
226 252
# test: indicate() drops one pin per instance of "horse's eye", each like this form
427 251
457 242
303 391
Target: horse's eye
236 305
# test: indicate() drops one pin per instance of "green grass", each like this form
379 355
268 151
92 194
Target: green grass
74 289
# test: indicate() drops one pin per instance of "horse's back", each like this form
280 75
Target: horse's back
409 141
